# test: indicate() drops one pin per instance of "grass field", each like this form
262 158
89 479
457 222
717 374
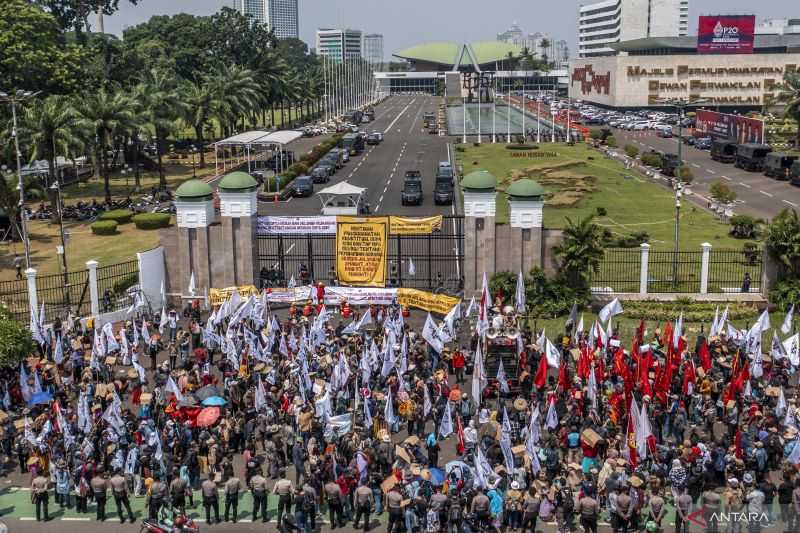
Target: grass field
578 181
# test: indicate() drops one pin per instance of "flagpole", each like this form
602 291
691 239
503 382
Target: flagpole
464 137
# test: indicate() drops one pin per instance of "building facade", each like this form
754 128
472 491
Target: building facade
339 44
603 23
373 48
280 16
652 72
779 27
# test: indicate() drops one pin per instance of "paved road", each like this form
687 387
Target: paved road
381 168
757 195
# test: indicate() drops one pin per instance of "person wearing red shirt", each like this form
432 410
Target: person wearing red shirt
459 362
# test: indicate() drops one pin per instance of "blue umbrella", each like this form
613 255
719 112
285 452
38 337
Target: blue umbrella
40 397
437 476
214 401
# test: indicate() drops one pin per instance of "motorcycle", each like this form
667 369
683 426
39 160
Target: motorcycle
176 523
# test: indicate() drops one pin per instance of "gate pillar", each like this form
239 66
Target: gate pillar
525 206
479 228
194 206
239 208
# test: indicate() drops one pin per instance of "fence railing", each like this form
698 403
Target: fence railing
82 292
631 270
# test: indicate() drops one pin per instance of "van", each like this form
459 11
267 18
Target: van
794 174
750 156
723 150
778 165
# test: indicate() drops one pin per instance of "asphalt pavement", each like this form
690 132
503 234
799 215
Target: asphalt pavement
756 194
381 168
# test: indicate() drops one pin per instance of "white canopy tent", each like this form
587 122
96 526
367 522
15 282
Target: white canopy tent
250 141
343 198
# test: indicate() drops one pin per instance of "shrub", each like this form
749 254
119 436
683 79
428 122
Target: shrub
596 134
751 252
721 192
611 142
521 147
743 226
692 311
651 160
601 211
685 174
785 293
631 150
148 221
120 216
125 283
460 149
104 227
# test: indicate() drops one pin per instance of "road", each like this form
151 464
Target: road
756 194
381 168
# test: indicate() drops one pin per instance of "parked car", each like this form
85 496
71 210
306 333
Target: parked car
321 173
703 143
303 186
443 191
778 165
412 191
794 174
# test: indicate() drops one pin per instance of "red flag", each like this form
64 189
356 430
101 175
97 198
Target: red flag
705 357
689 377
460 433
645 362
541 373
737 442
584 363
633 456
563 377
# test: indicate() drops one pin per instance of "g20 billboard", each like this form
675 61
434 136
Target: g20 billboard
734 127
726 34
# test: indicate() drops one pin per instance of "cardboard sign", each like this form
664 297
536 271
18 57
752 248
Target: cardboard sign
388 483
773 391
401 452
591 437
361 248
111 360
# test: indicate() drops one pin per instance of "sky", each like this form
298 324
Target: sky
405 23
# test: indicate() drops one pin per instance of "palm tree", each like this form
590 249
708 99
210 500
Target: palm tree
235 93
271 70
790 95
580 251
9 197
200 99
104 116
48 125
545 45
158 93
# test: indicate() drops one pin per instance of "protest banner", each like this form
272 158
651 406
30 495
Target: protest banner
428 301
361 249
218 296
414 226
313 225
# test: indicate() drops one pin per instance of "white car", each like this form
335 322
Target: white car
640 126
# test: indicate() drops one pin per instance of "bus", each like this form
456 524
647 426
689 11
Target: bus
352 142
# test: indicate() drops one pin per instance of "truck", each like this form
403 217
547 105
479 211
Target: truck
778 165
412 188
353 117
750 156
353 143
723 150
670 164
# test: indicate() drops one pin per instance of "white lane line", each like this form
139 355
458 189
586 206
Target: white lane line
398 117
726 178
27 518
76 519
385 188
790 203
765 193
710 171
695 165
745 185
380 199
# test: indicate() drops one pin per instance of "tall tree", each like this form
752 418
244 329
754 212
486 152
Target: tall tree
580 251
790 96
104 116
73 14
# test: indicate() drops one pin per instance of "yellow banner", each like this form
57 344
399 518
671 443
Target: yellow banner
434 303
218 296
361 250
414 226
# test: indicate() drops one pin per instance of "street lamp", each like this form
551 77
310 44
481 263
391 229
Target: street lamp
126 171
681 104
56 187
13 99
193 150
678 194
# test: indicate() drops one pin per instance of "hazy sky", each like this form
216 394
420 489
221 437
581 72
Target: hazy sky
407 22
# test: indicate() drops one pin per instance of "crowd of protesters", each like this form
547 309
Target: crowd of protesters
322 412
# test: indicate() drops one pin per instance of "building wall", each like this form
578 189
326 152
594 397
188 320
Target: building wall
339 44
284 18
727 81
373 48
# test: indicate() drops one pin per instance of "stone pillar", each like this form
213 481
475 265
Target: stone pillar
704 268
645 266
195 213
94 297
525 218
238 207
479 214
33 297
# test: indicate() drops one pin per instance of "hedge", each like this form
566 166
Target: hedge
303 164
521 147
120 216
104 227
693 311
149 221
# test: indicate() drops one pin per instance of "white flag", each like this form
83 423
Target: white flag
367 414
677 332
722 321
470 307
715 323
552 417
388 411
261 395
478 377
145 334
780 408
426 403
58 353
520 294
794 457
591 392
786 327
412 271
111 343
446 426
163 324
292 283
483 308
431 334
553 355
502 379
610 310
192 284
792 348
173 388
579 329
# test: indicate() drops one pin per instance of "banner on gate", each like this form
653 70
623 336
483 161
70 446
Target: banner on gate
218 296
290 295
361 250
314 225
434 303
359 295
415 226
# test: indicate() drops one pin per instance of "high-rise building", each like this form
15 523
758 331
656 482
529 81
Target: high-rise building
339 44
373 48
280 16
560 52
779 27
610 21
540 45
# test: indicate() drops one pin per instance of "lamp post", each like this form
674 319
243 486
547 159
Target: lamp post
678 194
126 171
56 187
13 99
193 151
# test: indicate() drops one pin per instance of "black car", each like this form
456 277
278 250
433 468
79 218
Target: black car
443 191
412 192
703 143
321 173
303 186
373 138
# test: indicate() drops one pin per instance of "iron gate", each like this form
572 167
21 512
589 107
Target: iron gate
437 258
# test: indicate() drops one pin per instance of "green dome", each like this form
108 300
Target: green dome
480 180
238 182
525 188
194 189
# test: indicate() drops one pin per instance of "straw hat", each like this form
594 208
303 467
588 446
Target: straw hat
520 404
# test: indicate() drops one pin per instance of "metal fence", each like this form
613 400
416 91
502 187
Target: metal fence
62 293
678 272
438 258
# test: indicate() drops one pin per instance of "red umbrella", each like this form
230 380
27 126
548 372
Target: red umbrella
207 416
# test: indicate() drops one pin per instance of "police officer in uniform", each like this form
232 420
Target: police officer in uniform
210 500
177 491
232 498
364 500
335 499
119 488
99 486
158 493
283 489
258 486
39 488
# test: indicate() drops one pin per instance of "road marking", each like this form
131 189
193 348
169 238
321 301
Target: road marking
398 117
726 178
710 171
765 193
385 188
790 203
695 165
76 519
27 518
745 185
380 199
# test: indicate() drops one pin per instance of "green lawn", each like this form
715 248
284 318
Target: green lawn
582 185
